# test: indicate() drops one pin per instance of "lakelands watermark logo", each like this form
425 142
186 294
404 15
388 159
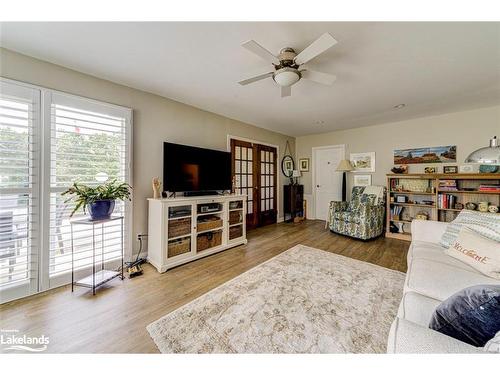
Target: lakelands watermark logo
12 341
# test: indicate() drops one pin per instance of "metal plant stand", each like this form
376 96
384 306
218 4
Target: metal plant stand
103 276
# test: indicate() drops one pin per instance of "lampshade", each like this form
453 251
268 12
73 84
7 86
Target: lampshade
296 173
486 155
286 77
344 166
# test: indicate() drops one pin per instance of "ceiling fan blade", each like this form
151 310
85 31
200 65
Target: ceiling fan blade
255 79
286 91
323 78
256 48
317 47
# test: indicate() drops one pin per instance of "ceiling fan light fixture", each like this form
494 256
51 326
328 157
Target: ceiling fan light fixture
286 76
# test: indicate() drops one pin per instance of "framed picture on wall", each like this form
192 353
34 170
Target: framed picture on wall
362 179
304 165
363 162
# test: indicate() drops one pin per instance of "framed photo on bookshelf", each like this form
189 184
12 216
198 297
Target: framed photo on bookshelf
450 169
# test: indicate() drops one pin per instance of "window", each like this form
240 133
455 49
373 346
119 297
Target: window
79 140
88 143
19 182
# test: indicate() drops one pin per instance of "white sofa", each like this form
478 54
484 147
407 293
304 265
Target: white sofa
432 277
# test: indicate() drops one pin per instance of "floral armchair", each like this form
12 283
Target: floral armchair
362 217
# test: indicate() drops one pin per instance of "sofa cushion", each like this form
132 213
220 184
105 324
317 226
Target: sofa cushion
439 280
417 308
479 252
408 337
485 223
472 315
434 252
493 346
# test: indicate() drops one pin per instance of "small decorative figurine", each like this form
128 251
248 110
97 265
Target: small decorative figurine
156 188
493 209
483 206
470 206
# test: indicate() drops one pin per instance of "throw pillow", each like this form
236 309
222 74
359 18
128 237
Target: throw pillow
493 346
478 252
485 223
471 315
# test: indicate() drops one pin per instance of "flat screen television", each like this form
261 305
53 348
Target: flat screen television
195 169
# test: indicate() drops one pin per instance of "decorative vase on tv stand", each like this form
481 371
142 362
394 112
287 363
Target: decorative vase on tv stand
99 200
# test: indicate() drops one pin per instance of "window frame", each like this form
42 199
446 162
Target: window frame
44 187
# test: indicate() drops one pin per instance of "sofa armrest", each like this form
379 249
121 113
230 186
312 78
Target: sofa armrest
366 211
408 337
427 230
339 205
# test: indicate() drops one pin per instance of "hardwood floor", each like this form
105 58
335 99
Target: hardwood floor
115 319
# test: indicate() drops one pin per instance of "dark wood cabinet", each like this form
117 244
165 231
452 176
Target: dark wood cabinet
293 201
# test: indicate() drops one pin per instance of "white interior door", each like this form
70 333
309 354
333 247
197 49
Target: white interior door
327 182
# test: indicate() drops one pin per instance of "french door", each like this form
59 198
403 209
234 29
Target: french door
255 174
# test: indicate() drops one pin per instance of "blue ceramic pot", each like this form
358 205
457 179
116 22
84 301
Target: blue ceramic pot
100 210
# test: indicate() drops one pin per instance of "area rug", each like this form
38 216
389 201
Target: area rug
303 300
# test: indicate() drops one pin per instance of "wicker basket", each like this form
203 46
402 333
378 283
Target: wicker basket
235 232
178 247
207 240
235 217
235 205
179 227
207 223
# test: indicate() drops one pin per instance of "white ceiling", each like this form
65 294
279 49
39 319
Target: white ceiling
431 67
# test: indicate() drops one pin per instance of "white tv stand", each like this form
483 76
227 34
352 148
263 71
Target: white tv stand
178 232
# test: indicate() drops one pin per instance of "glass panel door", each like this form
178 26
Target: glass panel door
254 173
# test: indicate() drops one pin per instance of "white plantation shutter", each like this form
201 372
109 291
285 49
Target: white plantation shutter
19 189
48 140
88 140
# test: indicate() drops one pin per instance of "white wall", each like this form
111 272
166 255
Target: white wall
156 119
468 130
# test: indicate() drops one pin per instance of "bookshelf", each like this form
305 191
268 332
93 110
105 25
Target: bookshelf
434 195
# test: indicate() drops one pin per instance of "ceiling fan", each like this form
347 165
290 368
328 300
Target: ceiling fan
287 65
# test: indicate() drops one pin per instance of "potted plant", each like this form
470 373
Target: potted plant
99 201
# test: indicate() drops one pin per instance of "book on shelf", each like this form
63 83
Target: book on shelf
446 200
493 188
396 211
448 185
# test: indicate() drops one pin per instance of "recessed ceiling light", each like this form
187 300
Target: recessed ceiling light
399 106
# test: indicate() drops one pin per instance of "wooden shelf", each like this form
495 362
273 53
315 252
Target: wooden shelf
210 230
464 182
178 237
209 213
411 192
413 204
448 176
467 192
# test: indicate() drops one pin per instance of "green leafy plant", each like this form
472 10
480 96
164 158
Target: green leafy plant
83 195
